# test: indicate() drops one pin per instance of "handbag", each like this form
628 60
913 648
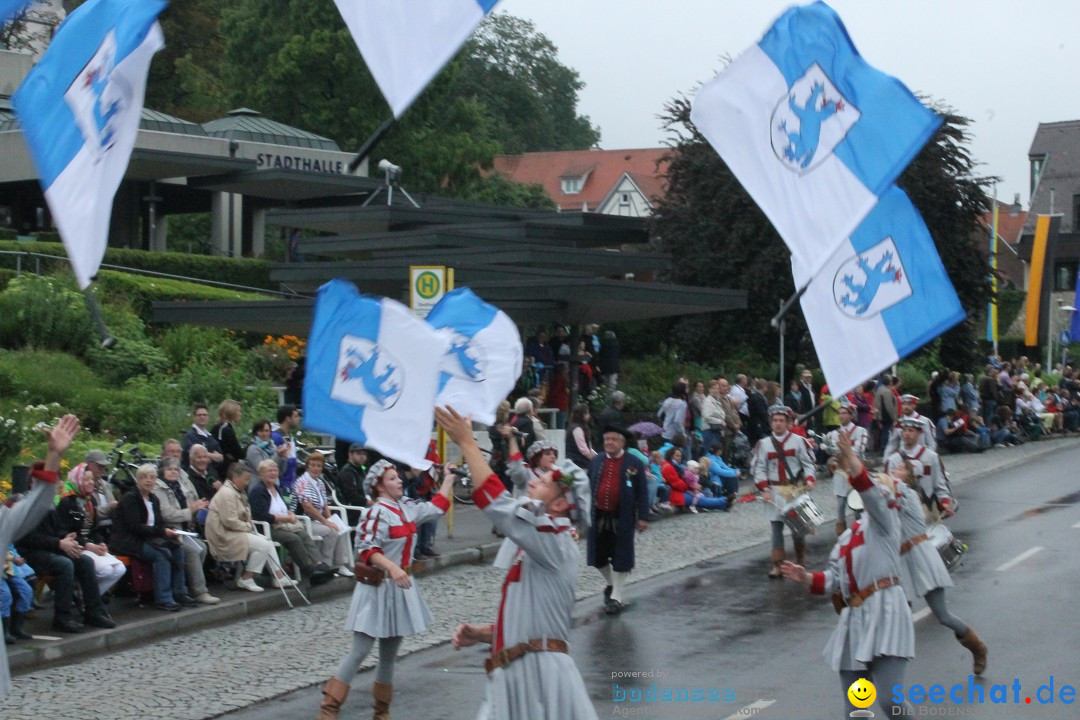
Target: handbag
368 574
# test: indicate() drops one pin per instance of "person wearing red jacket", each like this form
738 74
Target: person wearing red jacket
673 478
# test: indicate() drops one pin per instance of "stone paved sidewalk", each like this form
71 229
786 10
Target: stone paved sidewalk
212 671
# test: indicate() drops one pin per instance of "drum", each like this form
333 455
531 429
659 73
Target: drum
950 549
802 515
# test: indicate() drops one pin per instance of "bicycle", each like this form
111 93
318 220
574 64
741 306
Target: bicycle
463 482
122 475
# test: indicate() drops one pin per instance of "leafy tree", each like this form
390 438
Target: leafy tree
531 96
28 29
190 29
720 238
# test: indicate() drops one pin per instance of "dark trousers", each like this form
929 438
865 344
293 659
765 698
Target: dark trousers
300 546
65 572
426 531
607 539
168 562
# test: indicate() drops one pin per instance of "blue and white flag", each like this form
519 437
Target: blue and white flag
11 8
811 131
406 42
483 363
881 296
79 109
372 373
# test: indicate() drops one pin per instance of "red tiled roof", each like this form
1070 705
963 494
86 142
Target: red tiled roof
1009 226
604 167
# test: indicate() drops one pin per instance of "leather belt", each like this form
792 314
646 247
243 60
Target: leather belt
509 654
908 544
858 598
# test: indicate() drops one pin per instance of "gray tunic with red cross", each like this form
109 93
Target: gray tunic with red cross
865 553
536 603
769 471
928 470
389 528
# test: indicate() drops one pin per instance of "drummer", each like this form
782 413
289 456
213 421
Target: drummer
923 572
858 437
908 405
926 466
782 469
875 635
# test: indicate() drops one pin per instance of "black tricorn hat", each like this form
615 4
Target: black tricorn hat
616 428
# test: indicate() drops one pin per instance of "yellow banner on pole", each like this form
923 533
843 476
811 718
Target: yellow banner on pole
1035 280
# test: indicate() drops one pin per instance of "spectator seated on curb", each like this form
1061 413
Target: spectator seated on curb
720 474
231 534
76 512
659 492
204 478
16 600
141 532
1004 431
59 555
954 435
268 506
180 508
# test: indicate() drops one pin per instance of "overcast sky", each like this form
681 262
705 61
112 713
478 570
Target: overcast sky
1006 65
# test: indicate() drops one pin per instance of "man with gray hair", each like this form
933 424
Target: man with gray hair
522 423
611 415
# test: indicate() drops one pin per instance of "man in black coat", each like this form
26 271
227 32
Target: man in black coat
53 552
758 407
620 508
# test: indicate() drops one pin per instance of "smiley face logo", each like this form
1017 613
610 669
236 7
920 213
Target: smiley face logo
862 693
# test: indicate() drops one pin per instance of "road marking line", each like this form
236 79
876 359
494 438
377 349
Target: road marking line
1019 558
746 711
922 614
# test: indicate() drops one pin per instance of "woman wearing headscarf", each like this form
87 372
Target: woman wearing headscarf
76 512
386 604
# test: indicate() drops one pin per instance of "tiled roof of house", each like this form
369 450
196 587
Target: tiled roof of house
603 168
1059 144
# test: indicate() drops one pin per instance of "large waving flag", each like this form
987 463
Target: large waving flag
484 360
372 373
11 8
79 109
882 295
812 131
406 42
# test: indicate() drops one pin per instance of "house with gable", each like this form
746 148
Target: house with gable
609 182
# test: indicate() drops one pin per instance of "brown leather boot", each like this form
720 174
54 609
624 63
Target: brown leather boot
840 528
800 552
334 693
383 694
978 650
777 558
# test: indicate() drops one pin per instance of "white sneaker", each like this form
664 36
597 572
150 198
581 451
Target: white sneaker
207 599
693 509
248 584
345 571
283 582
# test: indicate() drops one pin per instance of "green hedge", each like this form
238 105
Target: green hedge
142 291
238 271
8 234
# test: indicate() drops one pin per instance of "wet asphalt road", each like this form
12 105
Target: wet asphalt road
755 644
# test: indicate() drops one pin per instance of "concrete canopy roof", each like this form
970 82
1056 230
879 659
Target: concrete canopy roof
555 298
287 185
251 125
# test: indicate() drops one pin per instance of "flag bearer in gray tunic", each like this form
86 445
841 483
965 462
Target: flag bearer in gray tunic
782 469
531 675
924 573
20 518
386 603
858 437
875 635
929 473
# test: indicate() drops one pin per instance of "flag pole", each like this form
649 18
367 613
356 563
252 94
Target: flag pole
992 317
107 340
371 142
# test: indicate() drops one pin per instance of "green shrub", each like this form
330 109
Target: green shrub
913 380
6 276
126 359
238 271
184 345
45 377
43 313
8 234
136 410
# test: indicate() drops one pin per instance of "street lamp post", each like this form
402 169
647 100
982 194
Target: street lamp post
1067 310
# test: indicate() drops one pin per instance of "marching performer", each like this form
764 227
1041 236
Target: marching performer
386 603
907 405
875 635
19 518
530 672
858 437
923 572
929 480
782 463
